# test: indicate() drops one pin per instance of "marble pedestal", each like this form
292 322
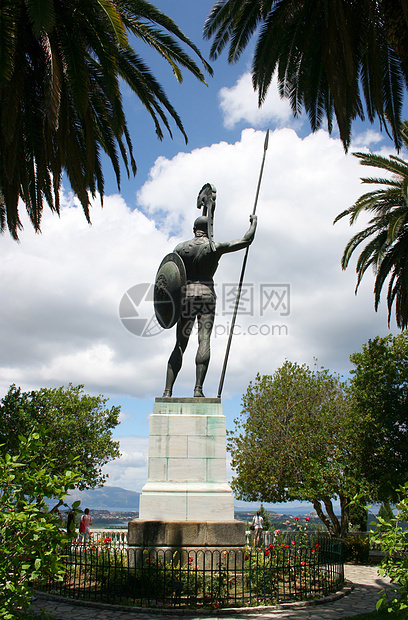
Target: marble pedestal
187 490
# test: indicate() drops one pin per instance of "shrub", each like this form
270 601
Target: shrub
356 549
393 540
30 535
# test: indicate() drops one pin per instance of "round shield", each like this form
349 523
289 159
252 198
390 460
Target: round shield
168 290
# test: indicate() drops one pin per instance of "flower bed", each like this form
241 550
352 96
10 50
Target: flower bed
300 567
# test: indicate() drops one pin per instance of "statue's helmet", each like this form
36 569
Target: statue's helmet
201 223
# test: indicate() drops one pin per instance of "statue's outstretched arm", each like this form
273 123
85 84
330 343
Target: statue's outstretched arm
224 247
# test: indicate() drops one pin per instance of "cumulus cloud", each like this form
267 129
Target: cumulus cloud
307 182
366 139
130 470
62 289
240 104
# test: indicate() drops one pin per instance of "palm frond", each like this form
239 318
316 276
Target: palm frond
132 11
387 251
392 163
219 24
354 243
41 15
9 14
332 57
114 19
60 99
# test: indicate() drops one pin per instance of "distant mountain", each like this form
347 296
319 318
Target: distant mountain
116 499
286 508
106 498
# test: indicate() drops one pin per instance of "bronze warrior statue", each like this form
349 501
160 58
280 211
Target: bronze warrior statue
200 257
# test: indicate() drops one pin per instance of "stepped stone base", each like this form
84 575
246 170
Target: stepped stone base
191 534
187 463
186 503
204 543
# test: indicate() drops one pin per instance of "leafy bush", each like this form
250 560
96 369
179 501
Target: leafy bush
31 536
356 549
386 511
393 540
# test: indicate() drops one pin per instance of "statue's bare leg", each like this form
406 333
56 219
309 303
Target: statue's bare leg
184 328
205 325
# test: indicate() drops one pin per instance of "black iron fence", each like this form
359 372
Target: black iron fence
293 570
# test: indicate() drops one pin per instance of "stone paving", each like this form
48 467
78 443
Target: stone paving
359 596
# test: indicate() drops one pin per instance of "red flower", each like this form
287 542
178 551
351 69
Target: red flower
107 540
190 560
271 546
296 518
286 546
293 542
317 546
267 551
302 563
307 519
246 557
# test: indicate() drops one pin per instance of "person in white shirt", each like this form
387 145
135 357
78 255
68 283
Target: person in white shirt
257 523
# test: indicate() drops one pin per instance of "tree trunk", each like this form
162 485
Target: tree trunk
344 502
330 520
55 509
330 511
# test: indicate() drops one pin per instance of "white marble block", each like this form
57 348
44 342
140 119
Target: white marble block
187 463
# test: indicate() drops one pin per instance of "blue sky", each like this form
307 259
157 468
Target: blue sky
59 317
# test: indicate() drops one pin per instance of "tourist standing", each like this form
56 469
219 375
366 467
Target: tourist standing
257 523
84 526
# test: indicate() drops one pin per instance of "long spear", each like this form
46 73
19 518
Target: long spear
241 279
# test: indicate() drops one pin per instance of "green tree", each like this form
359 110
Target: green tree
386 511
329 56
60 100
378 394
77 425
392 537
358 517
386 236
292 441
31 536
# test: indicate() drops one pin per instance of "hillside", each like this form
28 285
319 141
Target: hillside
114 499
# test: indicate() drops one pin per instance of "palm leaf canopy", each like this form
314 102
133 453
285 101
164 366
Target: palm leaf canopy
61 62
326 54
386 236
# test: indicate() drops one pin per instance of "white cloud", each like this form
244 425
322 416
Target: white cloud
366 139
240 103
130 470
59 317
307 182
61 292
